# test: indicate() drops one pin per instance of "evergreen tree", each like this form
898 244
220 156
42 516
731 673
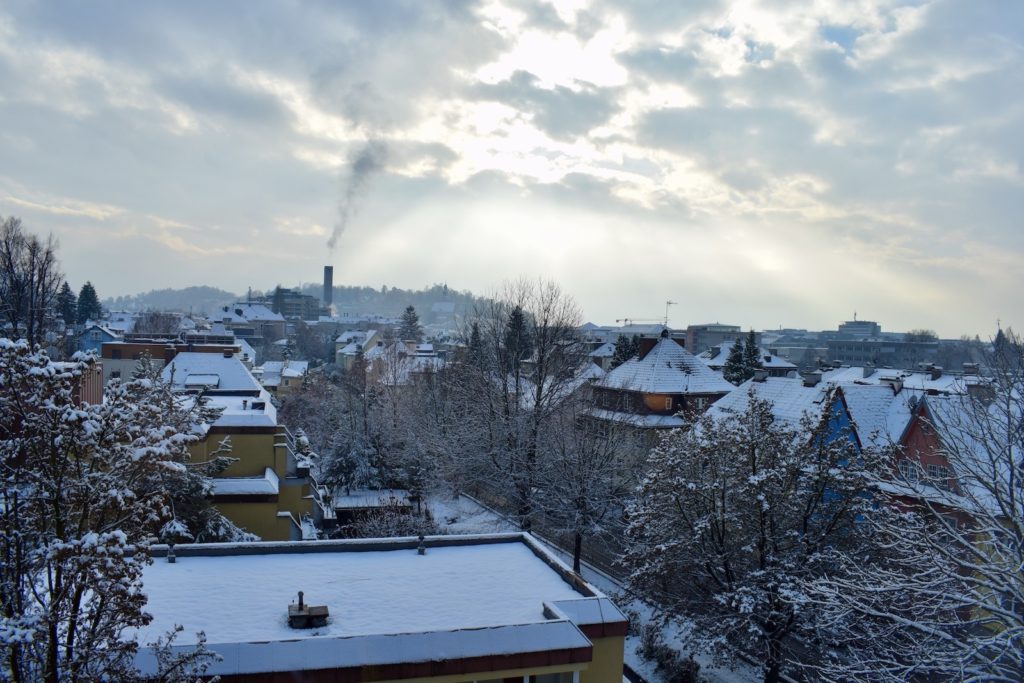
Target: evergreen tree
409 328
67 304
733 370
518 345
625 349
476 346
751 356
88 304
277 303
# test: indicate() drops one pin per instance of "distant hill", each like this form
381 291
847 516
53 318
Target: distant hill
200 300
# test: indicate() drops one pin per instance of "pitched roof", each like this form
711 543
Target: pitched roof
716 356
790 399
668 368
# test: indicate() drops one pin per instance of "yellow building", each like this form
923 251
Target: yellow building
267 489
448 609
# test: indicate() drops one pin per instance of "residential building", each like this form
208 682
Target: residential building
716 356
348 345
120 358
449 609
252 321
665 387
282 377
700 338
267 490
94 336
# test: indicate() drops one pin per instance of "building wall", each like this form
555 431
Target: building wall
606 666
260 518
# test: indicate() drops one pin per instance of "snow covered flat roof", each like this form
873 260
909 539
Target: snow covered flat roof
467 596
266 485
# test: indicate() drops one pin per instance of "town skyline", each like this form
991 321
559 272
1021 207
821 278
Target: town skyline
741 158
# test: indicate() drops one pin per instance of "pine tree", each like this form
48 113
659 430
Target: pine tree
751 356
518 345
88 304
476 346
409 328
625 349
67 304
733 370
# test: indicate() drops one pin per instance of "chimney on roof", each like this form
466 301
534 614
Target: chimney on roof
306 616
970 368
868 370
811 379
328 285
935 371
421 549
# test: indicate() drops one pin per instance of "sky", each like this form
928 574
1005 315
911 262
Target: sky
765 164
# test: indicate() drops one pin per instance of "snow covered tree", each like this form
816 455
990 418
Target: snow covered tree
83 490
588 471
946 602
732 520
409 328
751 356
30 279
88 304
734 370
67 304
625 348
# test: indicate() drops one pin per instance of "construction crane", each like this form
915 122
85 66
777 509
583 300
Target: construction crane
663 321
630 321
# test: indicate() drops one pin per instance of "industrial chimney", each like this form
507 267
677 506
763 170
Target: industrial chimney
328 285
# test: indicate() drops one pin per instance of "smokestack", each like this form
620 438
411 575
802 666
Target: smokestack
328 285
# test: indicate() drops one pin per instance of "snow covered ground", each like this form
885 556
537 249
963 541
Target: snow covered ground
462 515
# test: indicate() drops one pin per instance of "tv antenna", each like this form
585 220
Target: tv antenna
667 304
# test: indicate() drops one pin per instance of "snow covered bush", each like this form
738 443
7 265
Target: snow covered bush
735 517
83 491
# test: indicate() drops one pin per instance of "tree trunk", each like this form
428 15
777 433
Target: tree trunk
577 552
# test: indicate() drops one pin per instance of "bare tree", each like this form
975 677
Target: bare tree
946 600
30 280
589 471
157 322
527 363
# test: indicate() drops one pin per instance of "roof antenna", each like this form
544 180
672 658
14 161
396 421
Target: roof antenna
667 304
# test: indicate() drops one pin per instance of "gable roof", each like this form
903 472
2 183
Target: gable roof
667 368
791 399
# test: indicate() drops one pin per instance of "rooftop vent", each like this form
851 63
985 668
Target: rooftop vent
811 379
306 616
228 353
259 405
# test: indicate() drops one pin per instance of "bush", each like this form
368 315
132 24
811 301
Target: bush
674 667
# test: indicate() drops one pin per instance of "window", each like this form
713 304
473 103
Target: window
938 476
564 677
115 354
909 470
668 403
116 374
94 335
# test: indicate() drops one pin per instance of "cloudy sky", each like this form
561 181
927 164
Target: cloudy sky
763 163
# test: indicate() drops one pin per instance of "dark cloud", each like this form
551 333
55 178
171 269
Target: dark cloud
560 111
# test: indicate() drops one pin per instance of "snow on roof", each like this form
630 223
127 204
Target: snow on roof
879 415
201 381
606 350
365 498
484 596
716 356
946 383
244 411
232 375
273 370
790 399
646 421
265 485
668 368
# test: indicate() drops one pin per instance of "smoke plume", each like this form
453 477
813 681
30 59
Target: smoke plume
362 164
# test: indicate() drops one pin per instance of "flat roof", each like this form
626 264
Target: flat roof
379 593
